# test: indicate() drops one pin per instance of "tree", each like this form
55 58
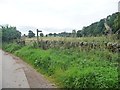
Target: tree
79 33
41 35
24 35
98 28
31 34
55 34
50 34
10 33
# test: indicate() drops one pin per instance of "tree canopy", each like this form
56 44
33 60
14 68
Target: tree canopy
9 33
41 35
31 34
98 28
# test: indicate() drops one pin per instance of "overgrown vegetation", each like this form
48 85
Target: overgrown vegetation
96 28
86 62
9 33
72 68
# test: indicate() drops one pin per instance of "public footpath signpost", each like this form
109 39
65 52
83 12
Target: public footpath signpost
38 36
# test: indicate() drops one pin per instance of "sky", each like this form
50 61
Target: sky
54 15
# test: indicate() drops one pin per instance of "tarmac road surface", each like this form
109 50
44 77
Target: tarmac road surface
13 75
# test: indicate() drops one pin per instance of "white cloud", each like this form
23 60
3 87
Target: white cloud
55 13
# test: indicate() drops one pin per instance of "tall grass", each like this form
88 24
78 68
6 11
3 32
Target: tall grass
100 39
72 68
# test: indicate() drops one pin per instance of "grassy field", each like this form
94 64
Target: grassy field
72 68
85 39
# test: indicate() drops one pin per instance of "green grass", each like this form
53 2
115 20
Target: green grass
100 39
72 68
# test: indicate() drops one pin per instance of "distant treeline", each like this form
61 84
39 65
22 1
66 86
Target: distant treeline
8 33
96 28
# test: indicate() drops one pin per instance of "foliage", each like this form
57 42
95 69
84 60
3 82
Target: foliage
9 33
12 47
73 68
114 22
55 34
98 28
41 34
31 34
50 34
92 77
79 33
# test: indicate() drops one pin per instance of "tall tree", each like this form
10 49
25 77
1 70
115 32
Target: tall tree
10 33
98 28
79 33
31 34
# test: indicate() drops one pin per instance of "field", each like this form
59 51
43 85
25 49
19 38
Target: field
73 66
87 39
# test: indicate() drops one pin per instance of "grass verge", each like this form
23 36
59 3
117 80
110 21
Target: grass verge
71 68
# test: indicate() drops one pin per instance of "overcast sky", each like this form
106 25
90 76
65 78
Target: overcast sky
57 14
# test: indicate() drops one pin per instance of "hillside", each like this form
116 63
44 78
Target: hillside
98 28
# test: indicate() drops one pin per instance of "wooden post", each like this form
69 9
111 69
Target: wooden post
38 36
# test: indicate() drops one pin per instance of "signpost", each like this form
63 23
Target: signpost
38 35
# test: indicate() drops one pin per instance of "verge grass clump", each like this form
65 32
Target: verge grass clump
12 47
72 68
90 77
